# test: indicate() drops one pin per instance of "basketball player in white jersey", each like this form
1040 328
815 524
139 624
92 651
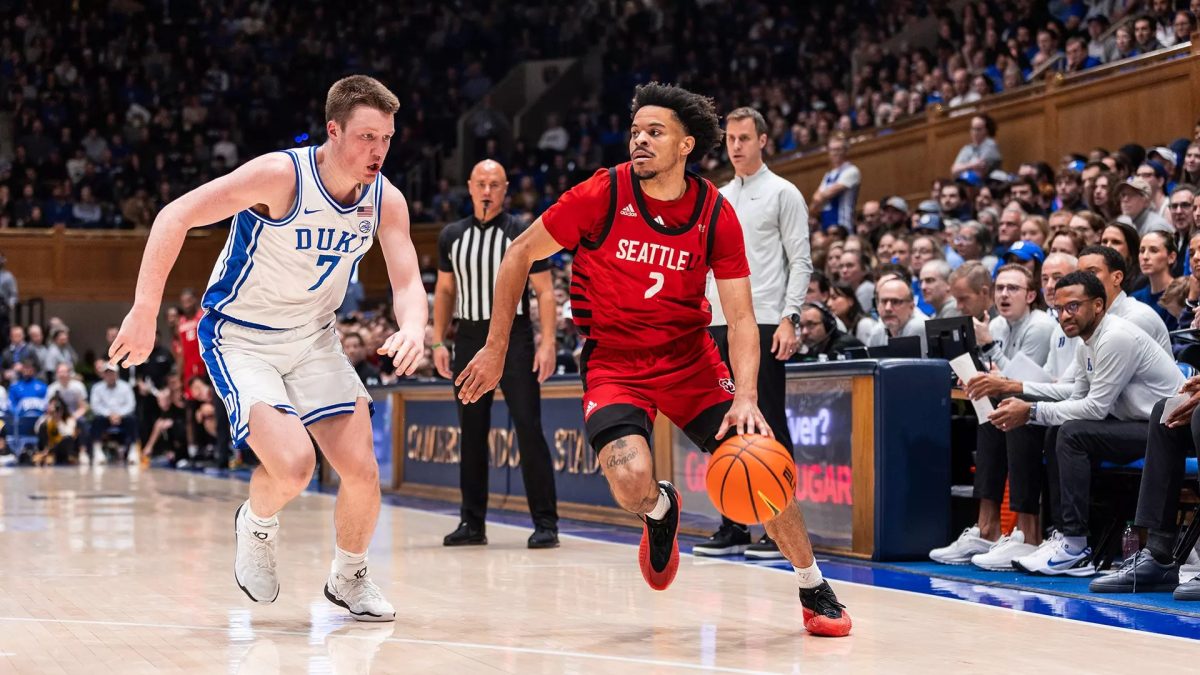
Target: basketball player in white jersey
302 221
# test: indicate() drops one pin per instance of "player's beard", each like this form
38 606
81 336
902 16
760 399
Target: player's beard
645 174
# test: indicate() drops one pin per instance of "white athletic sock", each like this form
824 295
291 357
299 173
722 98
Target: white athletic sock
347 564
1075 545
660 510
273 521
810 577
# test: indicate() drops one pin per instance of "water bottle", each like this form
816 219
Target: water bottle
1129 542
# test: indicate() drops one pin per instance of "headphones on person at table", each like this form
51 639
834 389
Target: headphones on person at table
827 317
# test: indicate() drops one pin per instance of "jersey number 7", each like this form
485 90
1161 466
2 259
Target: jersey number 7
332 261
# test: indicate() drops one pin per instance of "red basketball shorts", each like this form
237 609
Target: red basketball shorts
625 389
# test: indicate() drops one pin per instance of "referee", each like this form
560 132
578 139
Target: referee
469 252
774 222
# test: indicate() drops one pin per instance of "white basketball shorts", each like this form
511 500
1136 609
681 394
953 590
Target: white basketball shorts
302 371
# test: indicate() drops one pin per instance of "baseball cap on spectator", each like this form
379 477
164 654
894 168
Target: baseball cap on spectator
897 203
929 206
971 178
1024 251
1135 183
1165 154
1077 166
930 221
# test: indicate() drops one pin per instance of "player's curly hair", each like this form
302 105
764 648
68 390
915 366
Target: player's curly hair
697 113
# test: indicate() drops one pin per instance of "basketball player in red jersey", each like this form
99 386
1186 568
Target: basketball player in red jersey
646 234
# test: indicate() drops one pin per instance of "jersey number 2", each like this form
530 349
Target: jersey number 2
657 277
332 261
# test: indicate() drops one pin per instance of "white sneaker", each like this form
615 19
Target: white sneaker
1000 556
959 552
254 562
360 595
1053 559
98 456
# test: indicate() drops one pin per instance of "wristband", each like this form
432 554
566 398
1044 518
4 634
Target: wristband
438 344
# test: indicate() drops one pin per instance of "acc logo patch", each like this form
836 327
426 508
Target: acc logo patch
364 226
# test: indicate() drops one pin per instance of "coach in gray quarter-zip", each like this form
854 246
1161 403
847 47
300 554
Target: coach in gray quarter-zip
774 221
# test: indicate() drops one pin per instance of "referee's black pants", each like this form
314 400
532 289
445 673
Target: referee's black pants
522 393
772 381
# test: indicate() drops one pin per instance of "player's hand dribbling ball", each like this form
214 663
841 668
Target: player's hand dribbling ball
751 478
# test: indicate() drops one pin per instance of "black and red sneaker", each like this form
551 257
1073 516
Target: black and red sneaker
823 614
658 554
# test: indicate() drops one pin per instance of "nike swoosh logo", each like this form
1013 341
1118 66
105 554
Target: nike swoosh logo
1054 563
308 211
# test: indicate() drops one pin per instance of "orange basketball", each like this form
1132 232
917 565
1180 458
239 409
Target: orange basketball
751 478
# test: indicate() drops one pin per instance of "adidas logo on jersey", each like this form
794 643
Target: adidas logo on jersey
590 407
628 211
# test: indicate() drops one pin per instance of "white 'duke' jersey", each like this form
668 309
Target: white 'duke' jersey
281 274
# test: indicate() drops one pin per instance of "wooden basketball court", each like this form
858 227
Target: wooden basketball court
124 571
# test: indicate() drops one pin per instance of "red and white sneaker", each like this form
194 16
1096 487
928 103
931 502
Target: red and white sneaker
658 554
823 614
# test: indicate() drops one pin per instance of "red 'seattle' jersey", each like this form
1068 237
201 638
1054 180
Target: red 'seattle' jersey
641 265
189 349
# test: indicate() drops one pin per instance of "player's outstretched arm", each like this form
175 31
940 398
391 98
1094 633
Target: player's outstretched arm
744 415
269 181
407 345
482 374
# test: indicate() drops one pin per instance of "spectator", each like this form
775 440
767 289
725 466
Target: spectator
1122 374
973 242
1122 238
844 302
27 396
1008 230
1109 268
981 155
1134 198
71 391
37 342
1155 176
1156 257
971 287
555 139
935 289
1144 35
1068 188
355 349
1183 217
853 270
820 335
113 405
1183 25
57 433
836 198
953 202
1087 226
897 310
15 351
1100 200
86 212
168 433
1066 242
1078 59
8 296
60 351
1035 230
1189 172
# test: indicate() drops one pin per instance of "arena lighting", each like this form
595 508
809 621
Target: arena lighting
300 138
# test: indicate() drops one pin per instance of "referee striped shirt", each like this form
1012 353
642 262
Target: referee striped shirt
472 251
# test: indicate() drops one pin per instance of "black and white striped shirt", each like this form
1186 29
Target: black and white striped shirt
472 251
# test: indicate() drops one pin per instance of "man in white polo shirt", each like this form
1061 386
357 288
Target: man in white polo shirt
774 222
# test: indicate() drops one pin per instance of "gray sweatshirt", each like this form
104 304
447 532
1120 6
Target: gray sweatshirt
774 222
1122 372
1141 315
1029 335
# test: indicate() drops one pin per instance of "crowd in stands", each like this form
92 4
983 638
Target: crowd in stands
116 112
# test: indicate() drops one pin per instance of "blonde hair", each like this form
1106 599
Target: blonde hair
350 92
